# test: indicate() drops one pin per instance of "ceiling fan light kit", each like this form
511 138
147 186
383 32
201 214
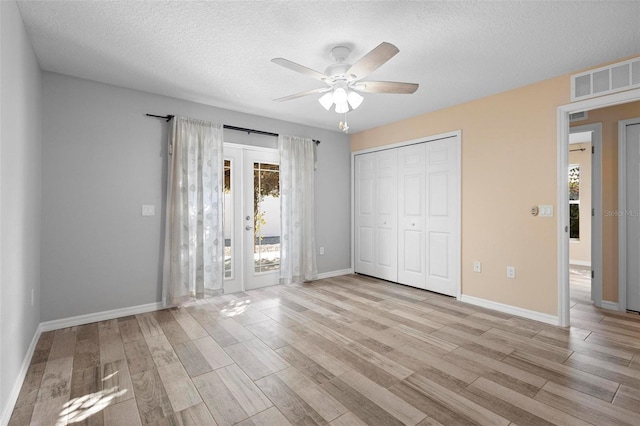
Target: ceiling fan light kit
343 79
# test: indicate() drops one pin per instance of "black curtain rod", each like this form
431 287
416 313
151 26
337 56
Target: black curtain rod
168 118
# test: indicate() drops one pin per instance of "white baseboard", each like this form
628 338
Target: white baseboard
509 309
332 274
99 316
22 374
580 263
612 306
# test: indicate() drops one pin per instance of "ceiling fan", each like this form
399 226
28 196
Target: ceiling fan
344 79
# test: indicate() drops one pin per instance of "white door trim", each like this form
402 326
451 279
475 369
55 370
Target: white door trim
596 205
622 207
562 137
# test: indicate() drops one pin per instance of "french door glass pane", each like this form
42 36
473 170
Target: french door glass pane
266 213
228 221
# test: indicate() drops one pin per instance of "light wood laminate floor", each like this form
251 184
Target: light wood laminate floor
349 350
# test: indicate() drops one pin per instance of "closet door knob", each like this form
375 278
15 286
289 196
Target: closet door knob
413 224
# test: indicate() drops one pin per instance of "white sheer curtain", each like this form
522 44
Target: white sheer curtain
297 245
194 243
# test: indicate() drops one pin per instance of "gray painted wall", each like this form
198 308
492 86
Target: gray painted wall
103 159
20 165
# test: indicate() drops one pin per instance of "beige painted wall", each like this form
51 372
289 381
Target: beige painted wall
580 250
609 118
508 165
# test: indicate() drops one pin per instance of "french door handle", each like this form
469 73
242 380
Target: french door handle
248 228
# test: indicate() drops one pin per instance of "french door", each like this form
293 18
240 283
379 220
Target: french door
251 218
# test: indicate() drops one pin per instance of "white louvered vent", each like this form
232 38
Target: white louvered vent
578 116
603 81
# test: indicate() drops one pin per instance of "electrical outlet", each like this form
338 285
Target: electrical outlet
477 266
511 271
321 251
148 210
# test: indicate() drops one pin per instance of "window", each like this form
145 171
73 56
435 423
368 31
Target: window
574 201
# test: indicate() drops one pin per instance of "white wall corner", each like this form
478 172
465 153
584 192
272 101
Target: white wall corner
509 309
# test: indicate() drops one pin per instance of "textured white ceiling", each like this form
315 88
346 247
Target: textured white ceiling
219 52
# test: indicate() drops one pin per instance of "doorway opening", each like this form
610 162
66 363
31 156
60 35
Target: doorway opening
563 241
584 187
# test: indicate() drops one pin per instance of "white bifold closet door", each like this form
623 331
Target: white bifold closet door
376 214
407 215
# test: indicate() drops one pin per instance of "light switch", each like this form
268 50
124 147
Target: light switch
148 210
546 210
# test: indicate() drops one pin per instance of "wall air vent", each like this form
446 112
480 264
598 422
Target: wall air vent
578 116
613 78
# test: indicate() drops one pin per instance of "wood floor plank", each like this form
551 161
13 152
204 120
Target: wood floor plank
628 398
150 396
170 327
321 357
116 377
138 357
585 407
64 344
215 356
288 402
43 347
129 329
398 408
197 415
442 404
190 326
564 375
192 359
348 419
360 406
149 325
124 413
86 353
497 371
305 365
269 417
110 341
256 359
516 407
230 395
31 386
56 379
161 350
180 390
607 370
317 398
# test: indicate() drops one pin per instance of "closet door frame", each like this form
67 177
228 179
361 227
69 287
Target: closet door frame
456 137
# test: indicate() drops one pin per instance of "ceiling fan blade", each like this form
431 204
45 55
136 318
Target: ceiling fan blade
300 68
386 87
301 94
372 60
